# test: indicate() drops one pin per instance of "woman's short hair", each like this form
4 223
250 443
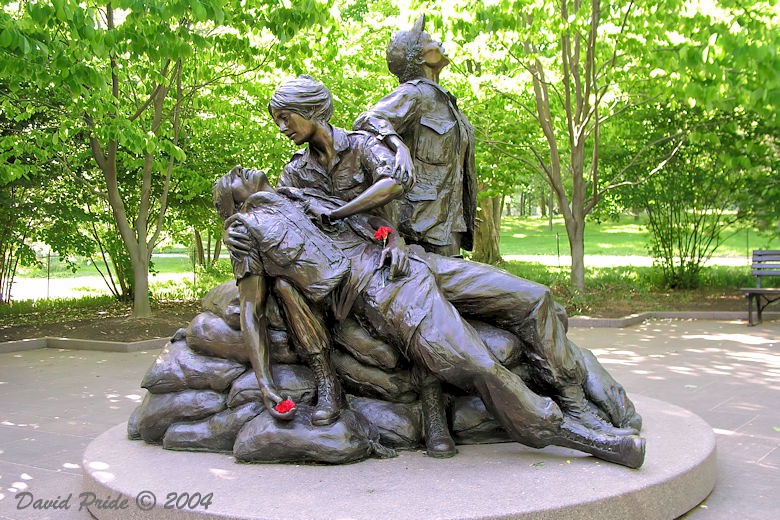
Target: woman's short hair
305 96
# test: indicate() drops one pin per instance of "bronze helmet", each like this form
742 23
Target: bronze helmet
403 49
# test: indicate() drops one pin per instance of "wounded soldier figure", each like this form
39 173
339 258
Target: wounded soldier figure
343 266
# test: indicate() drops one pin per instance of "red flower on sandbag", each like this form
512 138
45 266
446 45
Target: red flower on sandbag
382 233
285 406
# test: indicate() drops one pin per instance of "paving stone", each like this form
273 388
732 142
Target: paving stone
43 484
40 384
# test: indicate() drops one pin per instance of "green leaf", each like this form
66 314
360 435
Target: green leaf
24 45
198 10
6 37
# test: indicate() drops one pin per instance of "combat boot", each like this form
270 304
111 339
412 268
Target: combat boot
574 404
626 450
329 399
438 441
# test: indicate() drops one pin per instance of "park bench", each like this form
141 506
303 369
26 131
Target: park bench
766 263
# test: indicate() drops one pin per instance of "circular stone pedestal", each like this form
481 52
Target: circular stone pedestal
487 481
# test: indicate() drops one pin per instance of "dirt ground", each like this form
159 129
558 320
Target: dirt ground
166 321
163 323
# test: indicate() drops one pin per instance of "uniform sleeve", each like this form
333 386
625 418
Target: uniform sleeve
393 114
379 160
244 263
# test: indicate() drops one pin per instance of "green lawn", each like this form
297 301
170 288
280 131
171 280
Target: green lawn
519 236
626 237
164 263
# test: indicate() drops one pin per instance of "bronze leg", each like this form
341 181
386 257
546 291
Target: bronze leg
310 336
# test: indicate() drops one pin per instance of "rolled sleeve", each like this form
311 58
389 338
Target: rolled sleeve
380 160
245 263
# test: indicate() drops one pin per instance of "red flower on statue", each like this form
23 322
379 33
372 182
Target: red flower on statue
382 233
285 406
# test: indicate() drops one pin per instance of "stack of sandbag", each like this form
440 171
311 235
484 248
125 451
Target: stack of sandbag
203 395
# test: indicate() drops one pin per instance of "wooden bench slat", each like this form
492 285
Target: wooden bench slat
766 263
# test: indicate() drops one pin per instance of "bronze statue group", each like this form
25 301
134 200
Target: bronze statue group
362 237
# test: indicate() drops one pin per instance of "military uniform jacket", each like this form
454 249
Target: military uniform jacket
441 140
287 245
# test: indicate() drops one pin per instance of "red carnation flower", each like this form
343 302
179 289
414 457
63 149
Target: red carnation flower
285 406
382 232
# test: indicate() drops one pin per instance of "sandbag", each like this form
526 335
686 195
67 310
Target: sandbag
273 312
132 425
264 439
178 368
217 433
282 350
294 381
395 386
210 335
560 311
505 346
399 425
473 424
356 340
223 300
159 411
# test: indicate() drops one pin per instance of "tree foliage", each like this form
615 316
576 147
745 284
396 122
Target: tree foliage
703 190
570 71
117 117
132 72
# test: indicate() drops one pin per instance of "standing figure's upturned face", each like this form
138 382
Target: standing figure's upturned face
433 53
296 127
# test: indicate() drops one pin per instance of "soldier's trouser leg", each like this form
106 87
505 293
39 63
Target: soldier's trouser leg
520 306
528 310
310 336
451 349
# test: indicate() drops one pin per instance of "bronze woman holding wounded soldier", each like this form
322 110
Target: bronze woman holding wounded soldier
462 360
311 246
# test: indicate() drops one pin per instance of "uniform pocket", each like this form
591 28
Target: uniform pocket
422 193
436 140
347 182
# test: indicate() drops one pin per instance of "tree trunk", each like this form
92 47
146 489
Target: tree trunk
200 257
576 234
141 306
486 237
217 251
